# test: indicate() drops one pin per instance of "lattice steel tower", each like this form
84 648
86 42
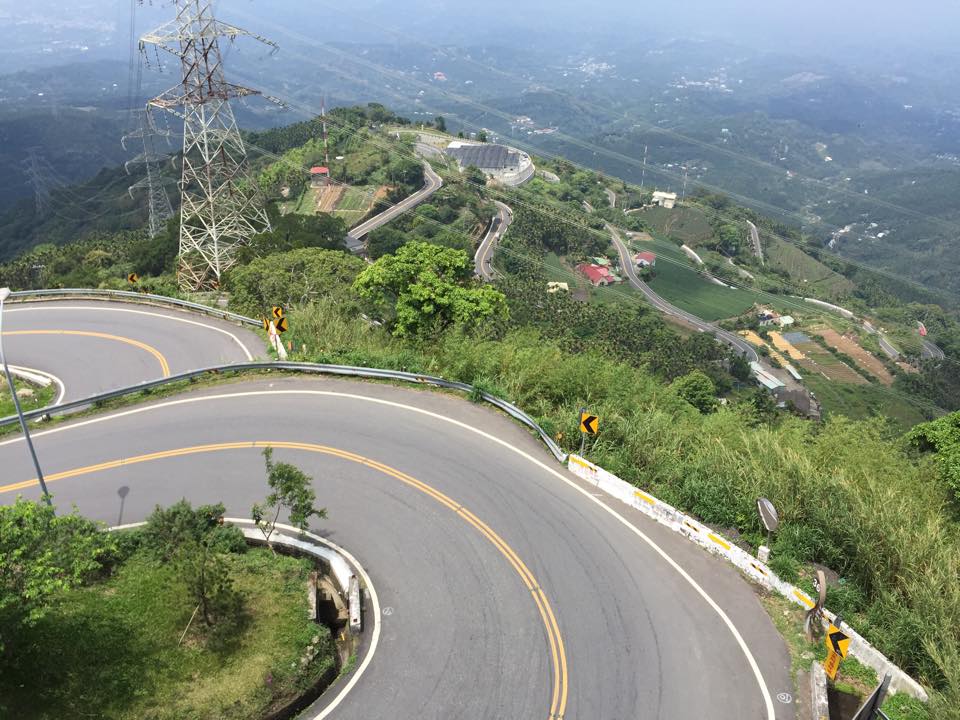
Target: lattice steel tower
220 205
153 181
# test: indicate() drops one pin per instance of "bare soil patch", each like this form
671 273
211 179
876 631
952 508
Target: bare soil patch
865 359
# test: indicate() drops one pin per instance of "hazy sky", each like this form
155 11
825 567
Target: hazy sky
816 27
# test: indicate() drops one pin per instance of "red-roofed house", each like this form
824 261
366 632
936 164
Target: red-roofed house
596 274
645 259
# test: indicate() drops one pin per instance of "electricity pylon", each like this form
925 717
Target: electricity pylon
220 204
153 182
40 179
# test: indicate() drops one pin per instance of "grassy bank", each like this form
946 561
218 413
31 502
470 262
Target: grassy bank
40 397
849 493
110 650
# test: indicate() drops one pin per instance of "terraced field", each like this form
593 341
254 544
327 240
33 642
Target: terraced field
686 224
823 362
864 359
806 270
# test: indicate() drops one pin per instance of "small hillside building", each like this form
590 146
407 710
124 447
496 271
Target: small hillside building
645 259
596 274
665 199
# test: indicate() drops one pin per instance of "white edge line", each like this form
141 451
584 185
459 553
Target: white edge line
751 661
43 373
237 340
375 638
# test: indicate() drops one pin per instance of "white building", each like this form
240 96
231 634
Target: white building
664 199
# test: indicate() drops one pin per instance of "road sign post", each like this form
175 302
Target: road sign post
838 645
589 425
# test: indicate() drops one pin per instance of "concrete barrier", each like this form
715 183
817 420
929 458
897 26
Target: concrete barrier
340 567
819 701
757 571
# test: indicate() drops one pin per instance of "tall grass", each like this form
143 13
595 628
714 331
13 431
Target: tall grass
849 493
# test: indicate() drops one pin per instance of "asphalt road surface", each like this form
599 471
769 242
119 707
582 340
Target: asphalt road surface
514 590
739 345
432 183
931 351
483 259
94 346
755 240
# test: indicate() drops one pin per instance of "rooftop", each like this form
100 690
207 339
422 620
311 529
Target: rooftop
485 156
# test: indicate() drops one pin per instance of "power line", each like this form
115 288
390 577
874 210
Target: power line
745 200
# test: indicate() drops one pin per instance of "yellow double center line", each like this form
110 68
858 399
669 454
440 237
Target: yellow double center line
558 703
164 366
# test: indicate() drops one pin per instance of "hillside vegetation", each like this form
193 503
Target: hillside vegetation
680 416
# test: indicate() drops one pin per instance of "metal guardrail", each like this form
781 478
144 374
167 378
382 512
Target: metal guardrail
310 368
24 295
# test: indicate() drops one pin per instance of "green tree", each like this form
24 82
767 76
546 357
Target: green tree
482 136
290 492
294 278
698 390
196 542
169 529
385 241
730 238
206 574
942 436
294 231
41 556
429 288
440 123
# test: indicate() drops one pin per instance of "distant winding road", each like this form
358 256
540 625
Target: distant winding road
755 239
626 262
432 183
483 259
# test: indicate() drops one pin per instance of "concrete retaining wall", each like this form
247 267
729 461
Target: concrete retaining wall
757 571
819 701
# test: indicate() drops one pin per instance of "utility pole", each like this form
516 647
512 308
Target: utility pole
220 204
683 196
159 202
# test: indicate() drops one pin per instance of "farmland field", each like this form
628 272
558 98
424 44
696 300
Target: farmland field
686 224
863 358
817 361
685 288
354 203
808 271
864 401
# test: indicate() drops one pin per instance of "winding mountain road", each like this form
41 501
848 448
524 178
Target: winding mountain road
432 183
483 259
514 589
736 342
755 241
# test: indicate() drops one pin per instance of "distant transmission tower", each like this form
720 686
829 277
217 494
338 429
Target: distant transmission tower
153 182
326 145
41 180
220 206
643 173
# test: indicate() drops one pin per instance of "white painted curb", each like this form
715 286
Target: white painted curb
757 571
342 564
